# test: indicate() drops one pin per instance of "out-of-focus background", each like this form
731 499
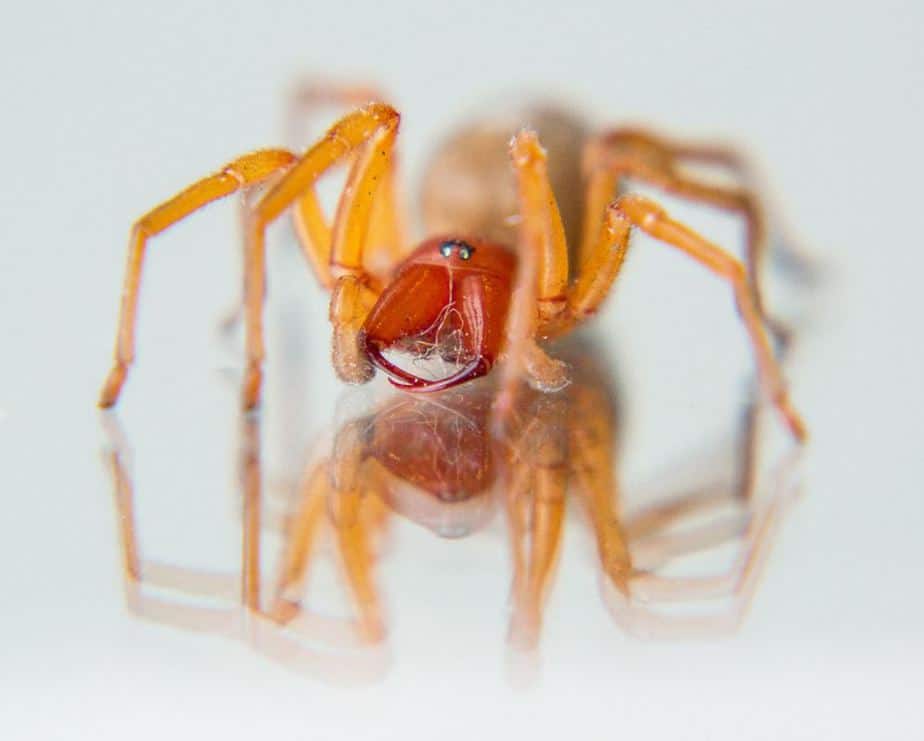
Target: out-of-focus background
111 107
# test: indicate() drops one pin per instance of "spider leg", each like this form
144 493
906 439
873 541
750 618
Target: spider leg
536 509
540 292
309 96
594 468
657 543
249 170
357 560
602 263
386 230
302 531
542 227
307 99
153 589
606 259
618 154
340 494
353 490
374 126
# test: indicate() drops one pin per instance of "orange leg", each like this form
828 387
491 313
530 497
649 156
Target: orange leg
542 280
308 97
340 493
385 232
594 465
616 155
251 478
353 485
542 226
536 511
302 530
605 261
313 234
384 235
152 587
387 223
546 525
376 126
246 171
357 560
721 516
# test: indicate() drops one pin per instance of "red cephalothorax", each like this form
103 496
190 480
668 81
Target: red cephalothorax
448 301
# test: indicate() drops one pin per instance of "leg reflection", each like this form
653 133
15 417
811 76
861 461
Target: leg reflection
675 589
231 604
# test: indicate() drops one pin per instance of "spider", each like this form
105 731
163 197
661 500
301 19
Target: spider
495 281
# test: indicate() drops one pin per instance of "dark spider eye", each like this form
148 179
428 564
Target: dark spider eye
465 252
446 249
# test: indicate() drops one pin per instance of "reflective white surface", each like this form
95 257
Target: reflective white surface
110 110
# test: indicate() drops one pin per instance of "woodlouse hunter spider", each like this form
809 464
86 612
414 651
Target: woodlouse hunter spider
449 300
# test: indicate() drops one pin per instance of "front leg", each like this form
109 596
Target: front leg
540 292
376 124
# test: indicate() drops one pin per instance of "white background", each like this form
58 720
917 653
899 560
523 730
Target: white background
109 108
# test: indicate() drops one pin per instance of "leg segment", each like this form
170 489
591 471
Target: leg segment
606 259
538 462
594 463
384 232
311 96
249 170
540 290
542 224
615 155
313 234
376 125
303 526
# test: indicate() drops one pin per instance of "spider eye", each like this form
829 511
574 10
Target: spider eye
465 252
446 249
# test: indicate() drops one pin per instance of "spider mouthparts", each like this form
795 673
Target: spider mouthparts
407 381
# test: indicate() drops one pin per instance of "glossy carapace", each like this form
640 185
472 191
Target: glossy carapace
449 301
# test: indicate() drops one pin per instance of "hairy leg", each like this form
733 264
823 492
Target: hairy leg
594 465
309 97
386 228
369 133
302 530
352 497
615 155
251 169
535 495
539 294
606 259
542 231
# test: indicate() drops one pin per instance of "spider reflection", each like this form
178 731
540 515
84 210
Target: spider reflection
445 463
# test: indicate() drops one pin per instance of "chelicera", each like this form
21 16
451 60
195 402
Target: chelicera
497 282
445 300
